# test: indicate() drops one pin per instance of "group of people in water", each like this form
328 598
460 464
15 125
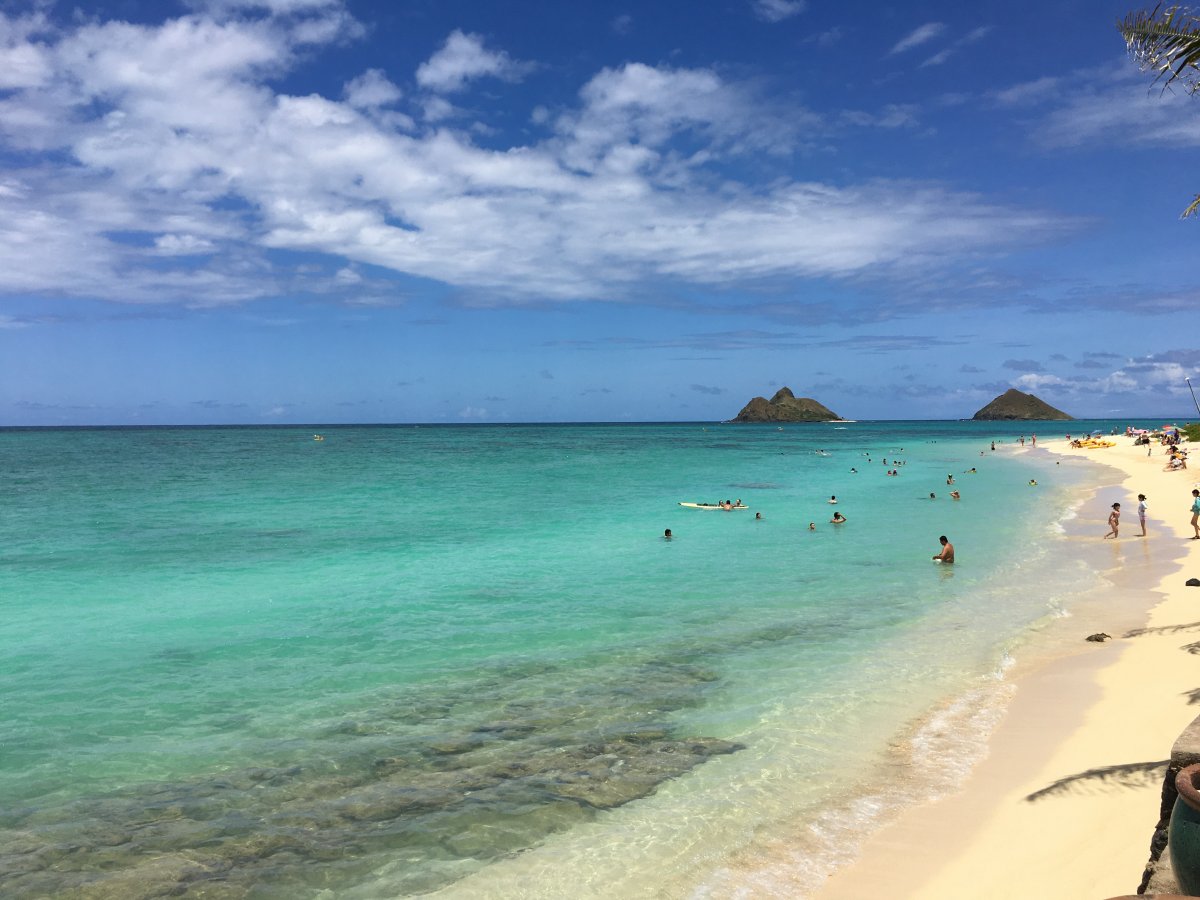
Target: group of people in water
945 555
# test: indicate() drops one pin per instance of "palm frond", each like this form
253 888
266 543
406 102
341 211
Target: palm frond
1167 42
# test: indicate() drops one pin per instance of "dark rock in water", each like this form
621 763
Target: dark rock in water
1014 405
785 407
1193 582
1099 637
450 790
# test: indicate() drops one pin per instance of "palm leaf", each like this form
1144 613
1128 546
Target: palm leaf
1167 42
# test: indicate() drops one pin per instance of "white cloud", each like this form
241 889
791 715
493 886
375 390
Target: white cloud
271 7
179 146
1117 106
371 89
463 58
918 36
1031 92
970 38
23 66
778 10
183 245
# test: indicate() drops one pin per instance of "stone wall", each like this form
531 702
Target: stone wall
1158 877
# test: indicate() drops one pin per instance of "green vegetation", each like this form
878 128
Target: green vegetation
1191 431
1167 42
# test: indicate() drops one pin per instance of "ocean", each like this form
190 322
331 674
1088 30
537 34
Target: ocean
464 661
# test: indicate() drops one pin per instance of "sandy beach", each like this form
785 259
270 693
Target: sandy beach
1066 801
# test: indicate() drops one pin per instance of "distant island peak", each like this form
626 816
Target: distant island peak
1014 405
785 407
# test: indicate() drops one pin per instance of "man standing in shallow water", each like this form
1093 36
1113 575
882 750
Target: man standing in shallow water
947 554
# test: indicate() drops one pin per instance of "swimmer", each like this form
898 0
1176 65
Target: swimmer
954 495
838 518
812 526
667 535
932 495
758 516
1033 482
949 479
833 499
947 554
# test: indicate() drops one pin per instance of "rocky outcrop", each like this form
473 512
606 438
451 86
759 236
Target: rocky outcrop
785 407
1015 405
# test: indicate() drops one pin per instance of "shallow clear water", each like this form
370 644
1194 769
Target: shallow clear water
245 661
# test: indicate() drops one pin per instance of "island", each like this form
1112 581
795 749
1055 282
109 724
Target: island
785 407
1014 405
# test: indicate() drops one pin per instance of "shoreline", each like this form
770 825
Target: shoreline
1066 799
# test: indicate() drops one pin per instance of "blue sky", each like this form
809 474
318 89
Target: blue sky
251 211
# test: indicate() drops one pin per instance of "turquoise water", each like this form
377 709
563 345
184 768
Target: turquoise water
244 663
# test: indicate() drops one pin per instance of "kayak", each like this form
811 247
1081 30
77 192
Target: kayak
712 505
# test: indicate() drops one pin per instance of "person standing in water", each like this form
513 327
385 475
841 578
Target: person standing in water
947 554
1114 521
1142 513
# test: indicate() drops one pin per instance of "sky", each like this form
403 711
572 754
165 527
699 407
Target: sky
334 211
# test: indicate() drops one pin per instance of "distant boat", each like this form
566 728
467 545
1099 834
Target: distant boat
318 437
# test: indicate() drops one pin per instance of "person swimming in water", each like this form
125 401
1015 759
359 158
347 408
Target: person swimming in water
838 518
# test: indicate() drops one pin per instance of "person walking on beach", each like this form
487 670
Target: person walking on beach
947 554
1114 520
1142 513
1196 513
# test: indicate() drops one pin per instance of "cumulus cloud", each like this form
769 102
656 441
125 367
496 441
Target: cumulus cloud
371 89
165 166
1162 376
464 58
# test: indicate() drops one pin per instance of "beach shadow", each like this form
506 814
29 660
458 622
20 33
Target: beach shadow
1193 696
1163 629
1125 775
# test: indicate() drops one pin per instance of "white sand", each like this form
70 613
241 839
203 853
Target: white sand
1090 728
